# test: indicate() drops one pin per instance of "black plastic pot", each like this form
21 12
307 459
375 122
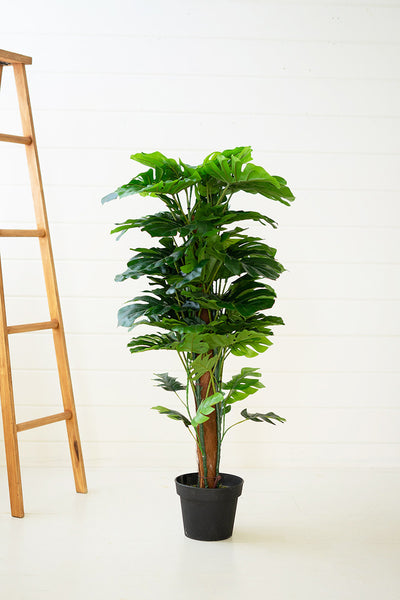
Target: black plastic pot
208 514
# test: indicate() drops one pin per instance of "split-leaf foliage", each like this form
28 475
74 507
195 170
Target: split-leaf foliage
207 291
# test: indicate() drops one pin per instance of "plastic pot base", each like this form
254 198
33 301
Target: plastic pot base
208 514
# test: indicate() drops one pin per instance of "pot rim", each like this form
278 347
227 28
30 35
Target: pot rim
233 485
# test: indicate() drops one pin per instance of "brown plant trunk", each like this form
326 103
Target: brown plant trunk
210 432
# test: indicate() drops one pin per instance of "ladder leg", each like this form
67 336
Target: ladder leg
50 278
8 413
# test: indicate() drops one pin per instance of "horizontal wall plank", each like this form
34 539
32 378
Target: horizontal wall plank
322 96
361 282
75 278
335 208
103 387
34 351
302 317
315 54
325 280
333 21
321 244
110 168
92 132
181 457
339 317
288 133
303 425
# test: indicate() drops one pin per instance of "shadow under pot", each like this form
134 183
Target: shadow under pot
208 514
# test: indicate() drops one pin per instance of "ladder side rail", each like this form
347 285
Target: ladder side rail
8 408
50 278
8 414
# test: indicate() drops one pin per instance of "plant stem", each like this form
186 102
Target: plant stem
234 425
222 196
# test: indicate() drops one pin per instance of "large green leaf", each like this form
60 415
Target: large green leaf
136 185
249 343
172 414
206 407
243 385
260 417
127 315
248 296
231 216
154 307
170 186
204 363
147 261
250 256
168 383
179 281
252 179
191 342
234 323
155 160
153 341
158 225
163 261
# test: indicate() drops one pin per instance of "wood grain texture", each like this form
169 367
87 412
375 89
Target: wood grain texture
22 233
8 413
28 327
15 139
64 416
14 58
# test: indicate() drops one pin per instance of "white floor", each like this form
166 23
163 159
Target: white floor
300 534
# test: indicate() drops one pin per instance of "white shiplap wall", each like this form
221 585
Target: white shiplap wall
314 87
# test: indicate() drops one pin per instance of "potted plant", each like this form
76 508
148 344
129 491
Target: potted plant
206 300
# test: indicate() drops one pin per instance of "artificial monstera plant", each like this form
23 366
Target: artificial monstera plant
207 287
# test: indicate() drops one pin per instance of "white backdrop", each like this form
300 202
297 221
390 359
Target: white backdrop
314 87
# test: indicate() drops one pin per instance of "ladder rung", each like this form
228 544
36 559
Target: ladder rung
22 233
10 58
53 324
15 139
64 416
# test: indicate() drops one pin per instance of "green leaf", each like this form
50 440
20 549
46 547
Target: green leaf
172 186
109 197
234 322
242 153
231 216
154 341
149 261
252 179
158 225
136 185
206 407
248 296
259 417
153 159
204 363
253 257
249 343
168 383
153 306
243 385
191 342
172 414
178 282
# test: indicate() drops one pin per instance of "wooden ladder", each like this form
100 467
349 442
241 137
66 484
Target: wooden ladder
10 426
